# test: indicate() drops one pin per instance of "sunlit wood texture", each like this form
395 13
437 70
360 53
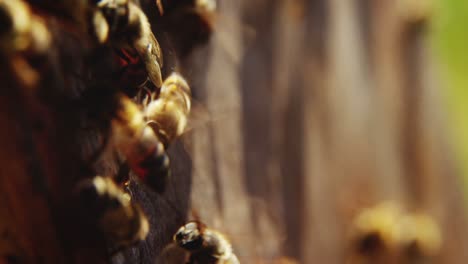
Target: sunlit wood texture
339 108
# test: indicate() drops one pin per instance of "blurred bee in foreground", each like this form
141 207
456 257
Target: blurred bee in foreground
143 136
122 24
121 222
374 235
204 245
20 30
23 37
386 234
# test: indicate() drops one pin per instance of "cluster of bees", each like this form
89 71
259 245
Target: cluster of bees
144 121
386 233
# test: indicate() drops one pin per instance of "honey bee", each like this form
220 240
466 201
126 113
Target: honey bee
375 234
24 40
143 136
20 30
122 24
387 234
121 222
205 245
168 114
140 134
138 142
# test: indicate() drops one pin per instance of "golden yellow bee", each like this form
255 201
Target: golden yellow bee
205 245
143 150
121 222
168 114
143 136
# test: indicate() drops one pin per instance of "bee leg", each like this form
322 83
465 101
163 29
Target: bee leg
127 188
144 93
128 60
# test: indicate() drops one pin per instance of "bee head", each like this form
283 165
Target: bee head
190 236
370 243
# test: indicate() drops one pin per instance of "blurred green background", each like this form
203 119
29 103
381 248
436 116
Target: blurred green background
450 38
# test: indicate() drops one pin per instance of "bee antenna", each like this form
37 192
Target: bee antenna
200 224
195 215
143 85
160 7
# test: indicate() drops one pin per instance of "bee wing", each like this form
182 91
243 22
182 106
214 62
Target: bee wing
199 116
202 118
153 60
198 119
156 50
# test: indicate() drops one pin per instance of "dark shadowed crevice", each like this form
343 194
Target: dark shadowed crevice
292 171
